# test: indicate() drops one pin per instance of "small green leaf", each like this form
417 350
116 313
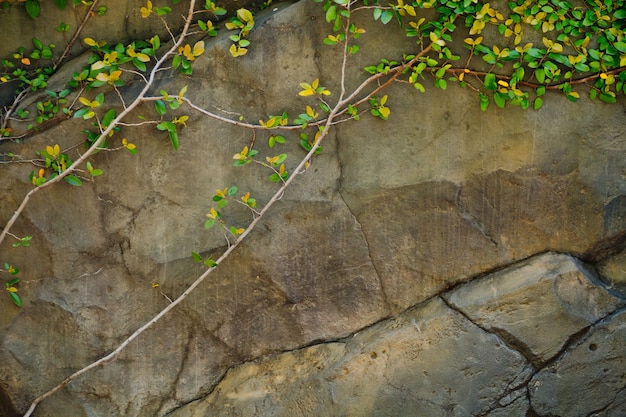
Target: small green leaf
73 180
37 43
16 299
209 223
490 82
386 17
484 101
540 75
174 139
232 191
108 118
196 257
160 107
33 8
538 103
607 98
499 99
274 177
331 13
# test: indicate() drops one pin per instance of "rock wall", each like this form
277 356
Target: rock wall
445 262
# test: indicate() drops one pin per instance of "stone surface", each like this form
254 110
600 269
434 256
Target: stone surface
600 358
536 305
416 364
390 216
434 360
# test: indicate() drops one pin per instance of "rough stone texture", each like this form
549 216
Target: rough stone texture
601 358
416 364
432 360
536 305
390 216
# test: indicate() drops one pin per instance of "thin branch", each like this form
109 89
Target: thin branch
76 34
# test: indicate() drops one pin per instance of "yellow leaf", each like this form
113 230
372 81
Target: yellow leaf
11 289
84 101
25 61
315 83
143 57
198 48
305 93
557 47
146 11
102 77
245 197
384 112
97 65
90 42
503 83
244 15
311 112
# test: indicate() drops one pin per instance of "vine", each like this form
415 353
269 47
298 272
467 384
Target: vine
582 44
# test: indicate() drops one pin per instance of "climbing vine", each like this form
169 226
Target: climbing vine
488 47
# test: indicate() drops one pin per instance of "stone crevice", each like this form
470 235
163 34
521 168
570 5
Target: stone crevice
356 219
472 220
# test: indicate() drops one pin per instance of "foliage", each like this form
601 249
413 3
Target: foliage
482 46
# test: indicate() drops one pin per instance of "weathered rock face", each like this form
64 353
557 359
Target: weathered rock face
366 260
457 355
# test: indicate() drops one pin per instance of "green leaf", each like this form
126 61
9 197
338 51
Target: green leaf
16 299
484 101
196 257
109 116
331 13
169 126
499 99
538 103
541 90
607 98
32 8
141 66
490 82
37 43
160 107
174 139
73 180
620 14
620 46
386 17
419 87
274 177
61 4
210 263
540 75
232 191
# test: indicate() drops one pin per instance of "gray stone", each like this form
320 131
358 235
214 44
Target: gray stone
536 305
588 379
416 364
